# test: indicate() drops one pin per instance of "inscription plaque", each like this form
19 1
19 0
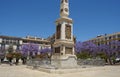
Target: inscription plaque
68 50
68 31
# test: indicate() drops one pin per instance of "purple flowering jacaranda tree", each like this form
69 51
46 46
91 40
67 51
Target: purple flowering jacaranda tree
90 47
85 49
46 51
29 49
116 46
79 47
108 51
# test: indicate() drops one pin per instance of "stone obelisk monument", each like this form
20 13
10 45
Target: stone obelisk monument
63 47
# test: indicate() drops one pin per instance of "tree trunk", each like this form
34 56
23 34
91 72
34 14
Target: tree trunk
17 61
110 61
24 61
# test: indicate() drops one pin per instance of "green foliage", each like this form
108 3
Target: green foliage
39 56
102 55
17 55
83 55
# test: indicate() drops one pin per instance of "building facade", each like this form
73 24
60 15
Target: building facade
106 39
17 42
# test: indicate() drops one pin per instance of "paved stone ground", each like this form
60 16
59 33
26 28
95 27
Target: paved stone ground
22 71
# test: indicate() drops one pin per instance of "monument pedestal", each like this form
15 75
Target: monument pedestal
65 63
64 55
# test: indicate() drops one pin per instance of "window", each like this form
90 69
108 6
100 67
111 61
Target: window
105 38
7 41
114 36
109 37
118 35
57 50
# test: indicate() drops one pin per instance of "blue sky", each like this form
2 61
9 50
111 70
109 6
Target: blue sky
37 17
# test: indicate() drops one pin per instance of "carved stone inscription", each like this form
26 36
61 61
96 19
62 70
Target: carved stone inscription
58 31
68 31
68 50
